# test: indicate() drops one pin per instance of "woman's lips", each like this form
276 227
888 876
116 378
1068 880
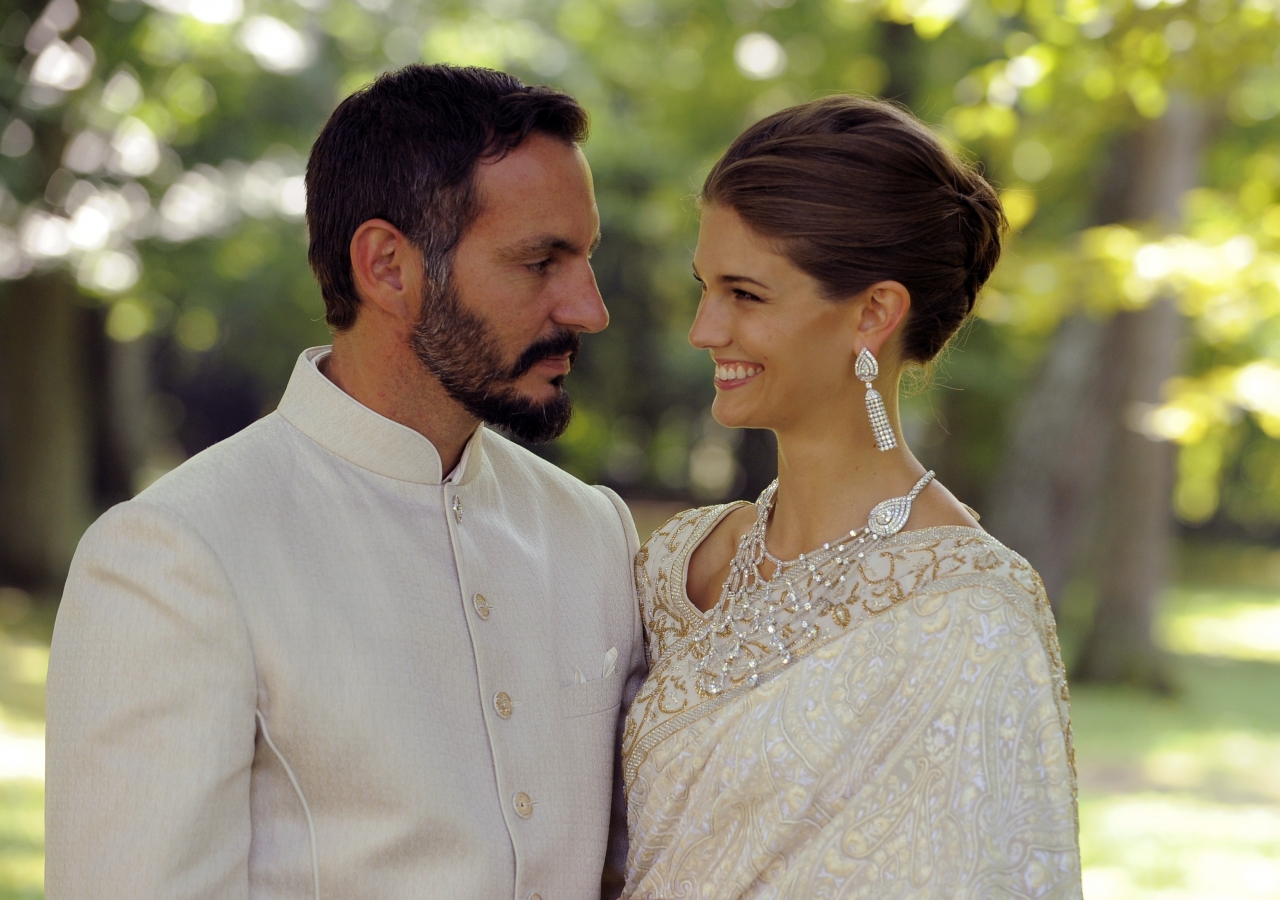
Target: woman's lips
730 375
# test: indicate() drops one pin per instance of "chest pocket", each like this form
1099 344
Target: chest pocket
593 697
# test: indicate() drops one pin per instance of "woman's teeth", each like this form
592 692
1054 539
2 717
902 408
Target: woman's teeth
737 372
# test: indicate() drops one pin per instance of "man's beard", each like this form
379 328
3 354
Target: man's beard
459 349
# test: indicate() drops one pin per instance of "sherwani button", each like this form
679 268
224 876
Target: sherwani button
502 703
482 606
535 897
523 805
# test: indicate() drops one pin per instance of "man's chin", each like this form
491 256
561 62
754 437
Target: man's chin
533 420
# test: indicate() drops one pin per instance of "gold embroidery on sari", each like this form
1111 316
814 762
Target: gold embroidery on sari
922 749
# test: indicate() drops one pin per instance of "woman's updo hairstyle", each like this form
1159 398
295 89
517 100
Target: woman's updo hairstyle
857 191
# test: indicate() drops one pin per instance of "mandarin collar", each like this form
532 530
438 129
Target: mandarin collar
342 425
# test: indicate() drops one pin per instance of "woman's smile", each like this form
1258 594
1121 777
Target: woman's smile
734 373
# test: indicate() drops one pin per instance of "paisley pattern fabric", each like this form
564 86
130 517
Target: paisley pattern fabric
923 750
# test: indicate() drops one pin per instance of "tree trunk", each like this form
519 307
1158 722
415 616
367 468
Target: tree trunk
125 435
45 433
1080 477
1055 458
1134 519
1135 522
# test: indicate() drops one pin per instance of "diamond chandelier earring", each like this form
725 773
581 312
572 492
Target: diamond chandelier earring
866 368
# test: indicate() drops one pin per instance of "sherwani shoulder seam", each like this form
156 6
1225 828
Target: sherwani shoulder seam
230 587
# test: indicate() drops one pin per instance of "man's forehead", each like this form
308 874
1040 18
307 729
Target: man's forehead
537 158
536 200
545 181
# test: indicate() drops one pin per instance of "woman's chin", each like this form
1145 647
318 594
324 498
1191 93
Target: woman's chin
733 414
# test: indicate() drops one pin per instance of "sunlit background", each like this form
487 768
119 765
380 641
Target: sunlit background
1113 411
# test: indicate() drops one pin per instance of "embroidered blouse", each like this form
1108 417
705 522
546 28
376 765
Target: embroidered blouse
921 749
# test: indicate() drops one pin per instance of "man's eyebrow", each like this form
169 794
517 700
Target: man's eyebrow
545 244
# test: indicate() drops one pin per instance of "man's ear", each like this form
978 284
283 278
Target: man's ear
388 271
882 308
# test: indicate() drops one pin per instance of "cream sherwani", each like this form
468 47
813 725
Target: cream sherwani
304 631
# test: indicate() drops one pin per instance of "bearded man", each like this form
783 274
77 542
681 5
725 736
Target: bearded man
368 647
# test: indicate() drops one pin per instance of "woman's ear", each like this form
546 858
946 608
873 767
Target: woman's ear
882 308
387 270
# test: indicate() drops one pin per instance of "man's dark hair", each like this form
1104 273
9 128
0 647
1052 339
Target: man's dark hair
405 149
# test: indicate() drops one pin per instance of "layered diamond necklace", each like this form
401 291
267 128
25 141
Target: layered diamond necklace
759 617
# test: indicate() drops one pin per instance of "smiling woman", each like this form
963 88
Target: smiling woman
837 705
890 204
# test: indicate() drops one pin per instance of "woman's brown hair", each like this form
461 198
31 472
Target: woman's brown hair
857 191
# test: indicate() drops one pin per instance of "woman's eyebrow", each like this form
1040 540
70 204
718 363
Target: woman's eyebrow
729 279
748 279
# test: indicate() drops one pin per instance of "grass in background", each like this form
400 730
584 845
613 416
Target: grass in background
21 840
1179 795
25 629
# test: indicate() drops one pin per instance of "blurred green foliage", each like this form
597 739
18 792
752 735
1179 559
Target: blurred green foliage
154 151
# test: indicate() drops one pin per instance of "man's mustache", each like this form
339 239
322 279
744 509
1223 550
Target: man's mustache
558 343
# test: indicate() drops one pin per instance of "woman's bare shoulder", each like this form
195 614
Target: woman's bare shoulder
938 506
709 564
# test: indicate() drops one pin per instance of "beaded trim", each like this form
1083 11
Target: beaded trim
668 703
759 618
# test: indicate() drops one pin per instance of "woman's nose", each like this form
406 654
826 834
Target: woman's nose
709 328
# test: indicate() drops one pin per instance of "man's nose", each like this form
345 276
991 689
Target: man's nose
581 307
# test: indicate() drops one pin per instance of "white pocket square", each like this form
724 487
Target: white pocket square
610 666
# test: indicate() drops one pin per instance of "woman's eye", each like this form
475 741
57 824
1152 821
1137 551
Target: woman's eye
744 295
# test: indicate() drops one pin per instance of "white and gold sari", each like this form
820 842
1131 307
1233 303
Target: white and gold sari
921 749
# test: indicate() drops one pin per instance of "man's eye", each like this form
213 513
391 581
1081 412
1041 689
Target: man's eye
540 266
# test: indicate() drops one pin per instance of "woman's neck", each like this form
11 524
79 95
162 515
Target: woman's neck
829 478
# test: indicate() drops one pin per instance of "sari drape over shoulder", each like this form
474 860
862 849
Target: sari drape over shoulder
921 749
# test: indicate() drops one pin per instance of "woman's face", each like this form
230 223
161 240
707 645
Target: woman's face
783 352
